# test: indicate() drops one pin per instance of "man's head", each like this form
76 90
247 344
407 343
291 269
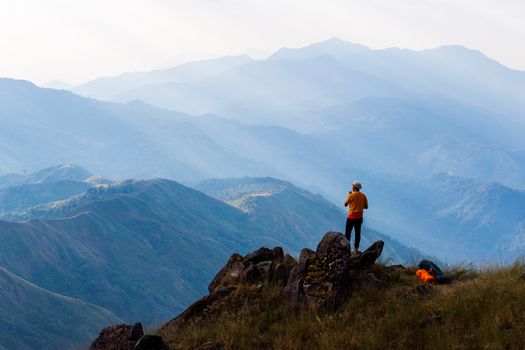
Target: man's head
356 186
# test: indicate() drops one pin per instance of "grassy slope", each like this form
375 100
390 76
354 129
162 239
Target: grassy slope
480 310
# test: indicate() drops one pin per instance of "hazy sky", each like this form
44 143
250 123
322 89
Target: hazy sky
77 40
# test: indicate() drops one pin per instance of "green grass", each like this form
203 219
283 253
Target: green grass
480 310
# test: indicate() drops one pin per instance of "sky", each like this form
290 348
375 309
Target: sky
76 40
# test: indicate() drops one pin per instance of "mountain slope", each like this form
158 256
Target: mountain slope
115 245
285 88
30 195
459 219
52 174
39 127
69 322
106 88
279 206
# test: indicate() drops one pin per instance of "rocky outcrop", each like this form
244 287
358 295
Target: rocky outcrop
262 265
293 292
322 280
325 279
127 337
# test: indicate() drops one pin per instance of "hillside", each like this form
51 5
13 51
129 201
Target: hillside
69 322
47 126
111 246
329 299
283 207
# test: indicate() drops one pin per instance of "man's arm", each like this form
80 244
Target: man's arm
348 199
366 203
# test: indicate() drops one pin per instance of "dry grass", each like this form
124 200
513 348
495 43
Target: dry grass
480 310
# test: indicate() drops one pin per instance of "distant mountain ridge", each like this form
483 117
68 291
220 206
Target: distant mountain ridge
105 88
334 71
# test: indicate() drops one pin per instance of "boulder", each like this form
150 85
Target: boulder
262 265
368 257
150 342
324 279
278 253
261 254
326 283
229 274
293 292
136 332
280 273
116 337
264 268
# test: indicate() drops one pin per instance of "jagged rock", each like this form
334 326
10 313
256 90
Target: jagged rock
264 268
199 309
293 292
326 283
150 342
332 252
250 274
261 254
136 332
114 337
229 274
368 257
278 253
256 267
280 273
323 280
215 345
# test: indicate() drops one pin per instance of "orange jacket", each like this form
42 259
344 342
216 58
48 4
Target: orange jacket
356 202
425 276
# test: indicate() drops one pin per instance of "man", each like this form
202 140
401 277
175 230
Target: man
357 203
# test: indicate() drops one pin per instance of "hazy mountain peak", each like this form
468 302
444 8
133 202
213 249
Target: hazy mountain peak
333 46
107 87
65 171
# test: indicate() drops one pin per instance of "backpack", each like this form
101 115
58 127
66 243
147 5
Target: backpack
437 273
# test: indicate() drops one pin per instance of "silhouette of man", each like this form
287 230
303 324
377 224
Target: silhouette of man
357 203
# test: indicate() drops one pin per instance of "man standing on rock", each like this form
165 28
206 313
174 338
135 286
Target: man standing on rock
357 203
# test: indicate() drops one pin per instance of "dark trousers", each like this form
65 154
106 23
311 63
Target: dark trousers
351 223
